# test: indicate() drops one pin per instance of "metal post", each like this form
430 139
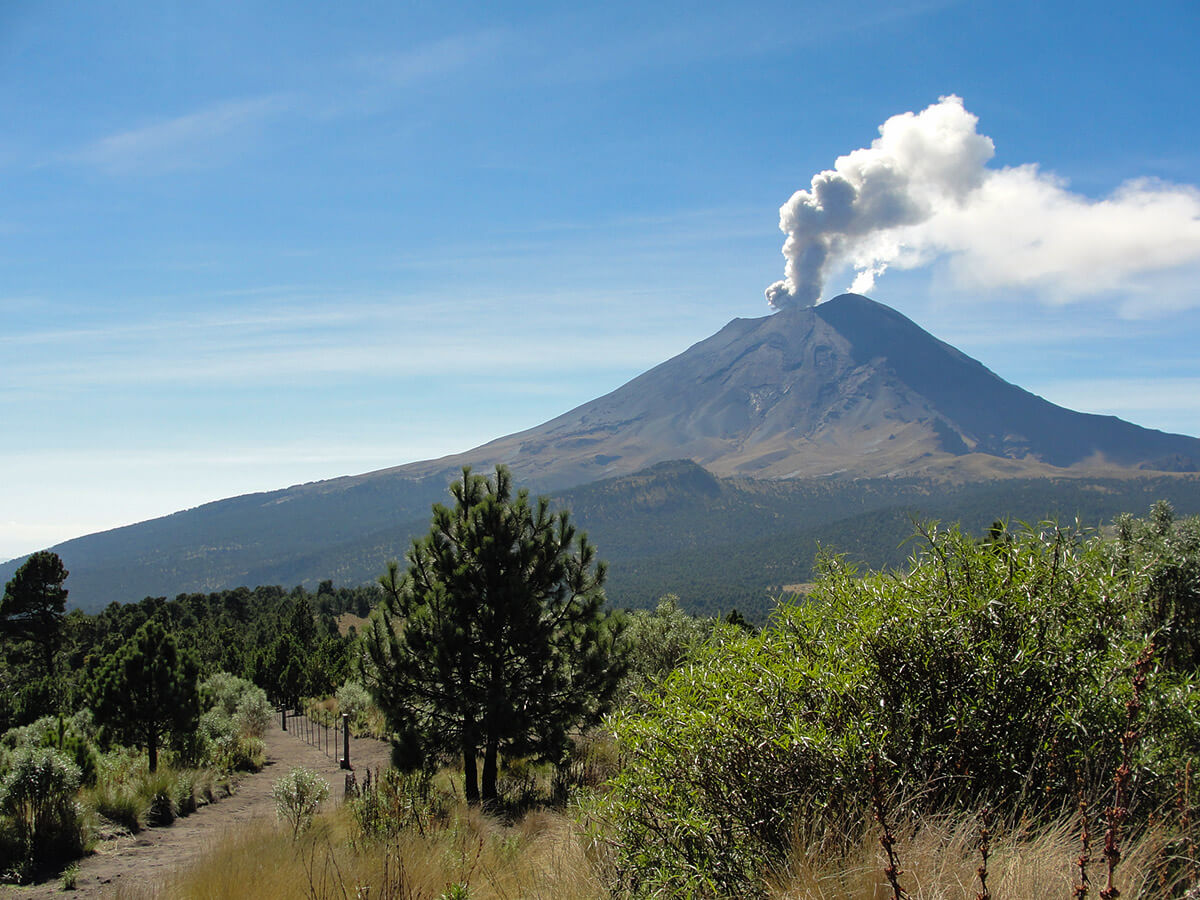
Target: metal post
283 717
346 740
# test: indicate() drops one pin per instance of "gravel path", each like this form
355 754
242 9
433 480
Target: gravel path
142 860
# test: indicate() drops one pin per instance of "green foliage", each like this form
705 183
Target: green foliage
494 640
1163 554
147 691
229 733
991 673
37 799
354 700
297 797
237 708
70 875
396 803
34 604
659 642
128 793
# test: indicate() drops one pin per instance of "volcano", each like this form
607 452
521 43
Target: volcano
843 392
849 388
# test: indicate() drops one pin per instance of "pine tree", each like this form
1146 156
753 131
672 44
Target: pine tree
494 640
147 691
34 604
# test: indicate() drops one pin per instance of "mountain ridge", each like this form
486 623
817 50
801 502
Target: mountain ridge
847 391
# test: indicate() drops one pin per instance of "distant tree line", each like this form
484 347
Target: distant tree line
285 641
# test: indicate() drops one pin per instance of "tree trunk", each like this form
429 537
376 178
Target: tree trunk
152 750
470 765
489 772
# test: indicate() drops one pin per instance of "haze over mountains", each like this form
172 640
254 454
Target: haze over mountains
835 411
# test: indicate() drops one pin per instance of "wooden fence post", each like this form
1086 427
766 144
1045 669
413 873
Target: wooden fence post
345 740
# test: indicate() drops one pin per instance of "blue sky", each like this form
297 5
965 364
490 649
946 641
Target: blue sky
245 245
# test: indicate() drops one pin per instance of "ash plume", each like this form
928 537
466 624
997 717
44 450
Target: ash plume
922 193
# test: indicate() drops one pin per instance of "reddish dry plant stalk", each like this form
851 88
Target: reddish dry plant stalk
892 870
1185 822
1116 814
985 847
1085 850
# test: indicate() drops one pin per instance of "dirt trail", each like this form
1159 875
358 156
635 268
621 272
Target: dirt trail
141 860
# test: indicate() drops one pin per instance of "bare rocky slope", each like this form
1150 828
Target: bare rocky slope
845 392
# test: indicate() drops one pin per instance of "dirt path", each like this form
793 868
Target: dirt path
141 860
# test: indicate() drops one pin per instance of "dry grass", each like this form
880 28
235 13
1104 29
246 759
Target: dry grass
544 856
540 857
939 859
348 619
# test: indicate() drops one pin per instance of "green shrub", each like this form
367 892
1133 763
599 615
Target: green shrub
74 736
253 713
223 692
247 754
37 799
354 701
991 673
297 796
659 642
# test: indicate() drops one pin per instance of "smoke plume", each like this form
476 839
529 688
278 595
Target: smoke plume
922 193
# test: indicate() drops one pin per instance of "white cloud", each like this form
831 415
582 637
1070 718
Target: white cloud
922 195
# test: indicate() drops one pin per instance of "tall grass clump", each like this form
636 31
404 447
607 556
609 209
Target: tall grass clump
991 673
129 795
468 855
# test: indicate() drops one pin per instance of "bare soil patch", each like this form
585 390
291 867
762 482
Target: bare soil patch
141 861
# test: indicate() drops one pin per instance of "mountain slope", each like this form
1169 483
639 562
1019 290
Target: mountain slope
849 389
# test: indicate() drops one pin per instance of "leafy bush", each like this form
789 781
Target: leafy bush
354 701
990 673
37 798
297 797
253 713
223 692
659 642
234 743
73 736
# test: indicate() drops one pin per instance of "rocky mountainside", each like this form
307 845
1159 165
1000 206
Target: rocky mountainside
842 392
849 388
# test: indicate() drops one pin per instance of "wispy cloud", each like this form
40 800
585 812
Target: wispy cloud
437 58
291 343
199 139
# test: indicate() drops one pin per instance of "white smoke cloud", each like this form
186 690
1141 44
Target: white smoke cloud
922 193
